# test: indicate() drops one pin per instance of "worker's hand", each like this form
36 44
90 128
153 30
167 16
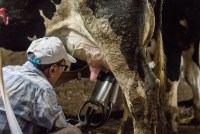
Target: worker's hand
68 130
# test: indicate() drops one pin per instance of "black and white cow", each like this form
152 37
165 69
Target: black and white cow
107 34
25 20
181 36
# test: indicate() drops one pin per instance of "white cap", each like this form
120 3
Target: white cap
48 50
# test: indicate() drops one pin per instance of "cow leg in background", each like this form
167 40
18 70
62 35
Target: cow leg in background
173 73
172 104
192 75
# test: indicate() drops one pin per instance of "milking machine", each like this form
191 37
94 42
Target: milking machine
101 101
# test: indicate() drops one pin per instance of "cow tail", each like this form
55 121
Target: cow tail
159 57
159 60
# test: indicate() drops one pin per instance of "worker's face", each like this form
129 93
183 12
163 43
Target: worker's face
55 72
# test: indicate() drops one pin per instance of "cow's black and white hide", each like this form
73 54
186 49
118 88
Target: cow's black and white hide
25 20
109 35
181 36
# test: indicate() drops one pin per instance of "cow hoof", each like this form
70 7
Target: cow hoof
194 122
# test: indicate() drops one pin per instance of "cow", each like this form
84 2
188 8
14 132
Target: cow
109 35
181 36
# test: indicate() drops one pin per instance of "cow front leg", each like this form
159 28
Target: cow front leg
192 76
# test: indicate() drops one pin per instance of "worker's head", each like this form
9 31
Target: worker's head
49 55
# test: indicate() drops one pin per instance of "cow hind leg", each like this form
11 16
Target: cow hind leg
127 122
172 105
192 76
173 74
